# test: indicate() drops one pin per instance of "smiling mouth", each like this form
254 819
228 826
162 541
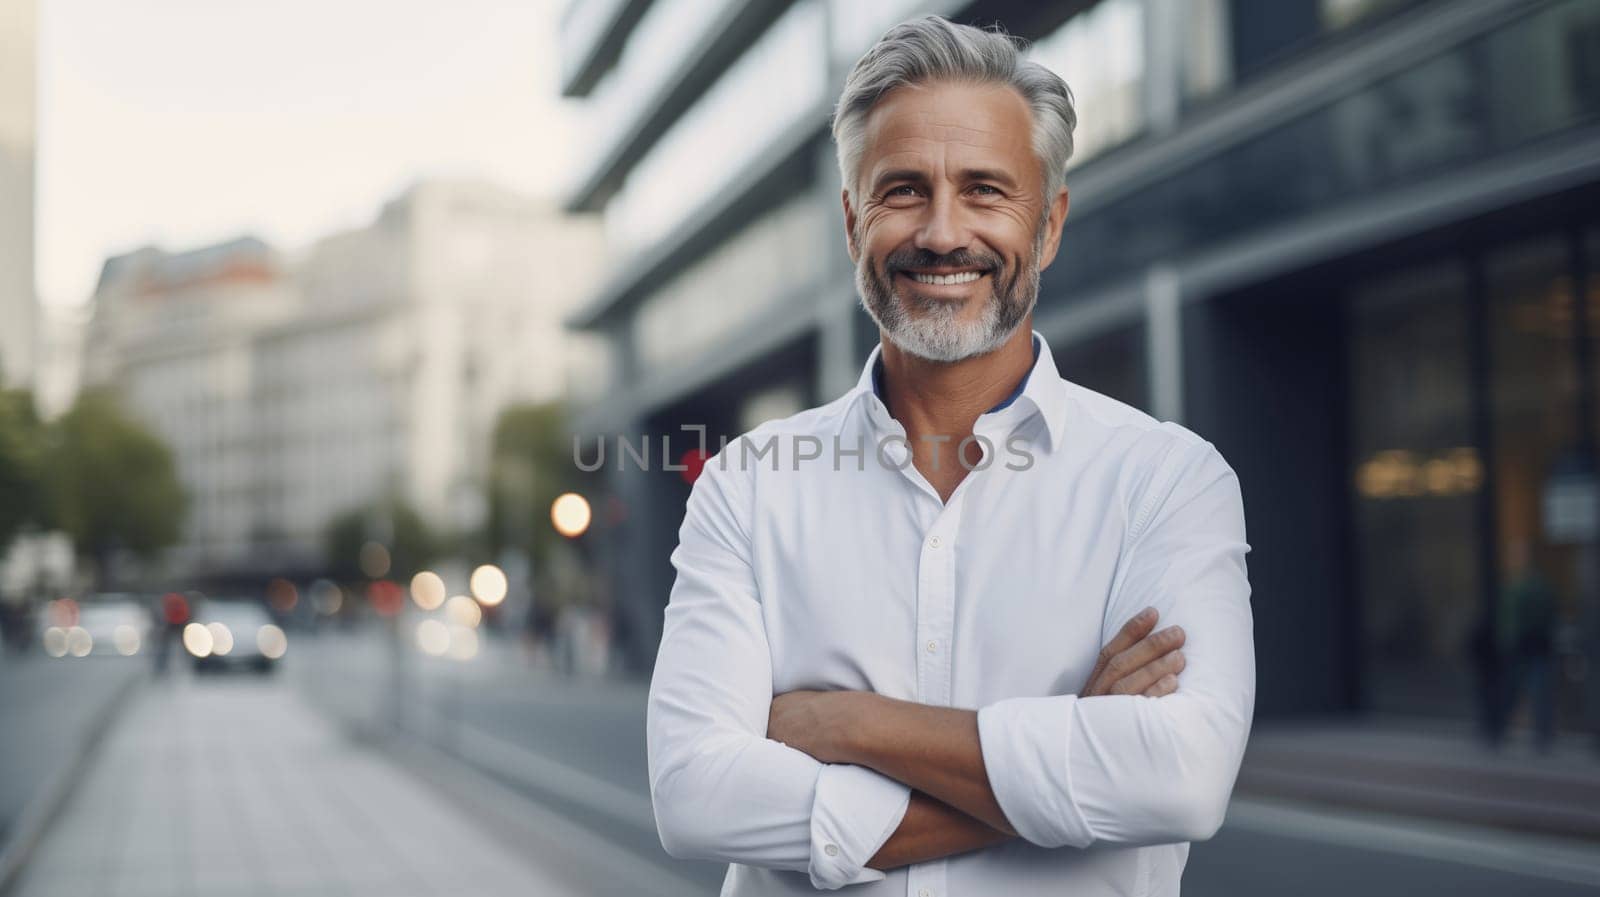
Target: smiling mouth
934 279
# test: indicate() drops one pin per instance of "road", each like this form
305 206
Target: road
542 780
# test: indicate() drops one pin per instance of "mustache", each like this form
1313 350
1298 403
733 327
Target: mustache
902 259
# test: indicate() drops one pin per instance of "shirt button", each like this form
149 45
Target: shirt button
924 892
933 647
933 542
831 850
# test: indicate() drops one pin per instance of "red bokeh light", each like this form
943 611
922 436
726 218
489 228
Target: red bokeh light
386 597
63 612
693 461
282 595
174 609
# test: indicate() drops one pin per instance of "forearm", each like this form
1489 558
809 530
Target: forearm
931 830
934 750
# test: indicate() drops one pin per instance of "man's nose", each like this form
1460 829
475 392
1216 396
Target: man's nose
943 229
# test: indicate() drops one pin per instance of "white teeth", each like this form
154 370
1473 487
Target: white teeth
963 277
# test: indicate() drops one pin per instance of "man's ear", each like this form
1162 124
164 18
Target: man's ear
1057 219
850 227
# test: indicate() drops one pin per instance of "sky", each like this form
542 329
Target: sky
180 123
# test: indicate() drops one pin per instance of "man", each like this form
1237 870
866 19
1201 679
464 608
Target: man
925 663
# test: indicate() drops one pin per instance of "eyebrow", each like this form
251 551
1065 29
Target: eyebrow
988 174
967 175
897 174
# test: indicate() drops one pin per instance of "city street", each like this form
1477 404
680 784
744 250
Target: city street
506 777
577 746
211 786
373 428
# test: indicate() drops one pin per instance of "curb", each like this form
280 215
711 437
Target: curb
1544 802
47 802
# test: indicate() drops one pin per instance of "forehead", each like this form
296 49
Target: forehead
958 124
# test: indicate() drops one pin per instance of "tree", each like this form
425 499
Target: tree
112 485
530 465
22 496
395 525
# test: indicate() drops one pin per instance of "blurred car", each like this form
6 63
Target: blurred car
234 634
113 625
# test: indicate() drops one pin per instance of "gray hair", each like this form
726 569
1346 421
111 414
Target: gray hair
933 48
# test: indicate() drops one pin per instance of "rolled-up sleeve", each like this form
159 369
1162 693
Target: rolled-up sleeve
720 788
1127 769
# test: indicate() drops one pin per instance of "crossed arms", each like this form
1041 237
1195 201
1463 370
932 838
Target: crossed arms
937 751
866 783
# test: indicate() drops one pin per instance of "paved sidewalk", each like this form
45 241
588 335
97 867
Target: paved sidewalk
234 787
1410 768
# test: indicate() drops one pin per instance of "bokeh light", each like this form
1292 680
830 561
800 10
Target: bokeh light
62 612
55 641
221 638
427 590
386 597
375 560
463 611
432 637
197 640
463 642
271 641
488 585
282 595
326 597
570 514
79 642
126 639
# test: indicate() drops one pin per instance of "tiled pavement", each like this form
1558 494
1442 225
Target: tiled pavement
224 787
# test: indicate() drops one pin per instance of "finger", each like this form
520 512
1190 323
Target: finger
1132 631
1164 686
1144 651
1136 682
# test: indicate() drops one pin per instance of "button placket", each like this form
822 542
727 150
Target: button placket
936 596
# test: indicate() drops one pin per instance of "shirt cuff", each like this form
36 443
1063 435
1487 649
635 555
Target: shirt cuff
1026 743
853 814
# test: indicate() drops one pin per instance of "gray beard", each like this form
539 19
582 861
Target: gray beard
935 332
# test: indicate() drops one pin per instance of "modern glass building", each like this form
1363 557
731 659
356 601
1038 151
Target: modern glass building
1354 243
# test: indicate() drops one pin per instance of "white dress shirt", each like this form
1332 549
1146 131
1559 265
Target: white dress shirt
813 566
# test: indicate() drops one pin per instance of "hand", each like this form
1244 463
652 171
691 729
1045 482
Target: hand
819 723
1137 661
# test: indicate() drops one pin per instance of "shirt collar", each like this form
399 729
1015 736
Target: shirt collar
1042 391
877 378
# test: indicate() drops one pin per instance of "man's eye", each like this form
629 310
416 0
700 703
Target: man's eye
902 190
987 189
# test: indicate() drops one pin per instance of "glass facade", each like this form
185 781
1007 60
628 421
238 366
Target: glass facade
1476 516
776 81
1416 474
1542 459
1100 54
769 260
666 33
1111 363
1530 78
1266 32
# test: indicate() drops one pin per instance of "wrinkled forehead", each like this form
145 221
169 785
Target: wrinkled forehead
943 127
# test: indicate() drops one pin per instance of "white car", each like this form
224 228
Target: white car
228 634
113 626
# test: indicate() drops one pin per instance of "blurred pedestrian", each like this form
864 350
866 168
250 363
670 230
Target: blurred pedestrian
172 615
1524 641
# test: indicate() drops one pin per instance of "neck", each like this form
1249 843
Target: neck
935 398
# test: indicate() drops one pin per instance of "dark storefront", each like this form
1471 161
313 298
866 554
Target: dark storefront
1414 427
